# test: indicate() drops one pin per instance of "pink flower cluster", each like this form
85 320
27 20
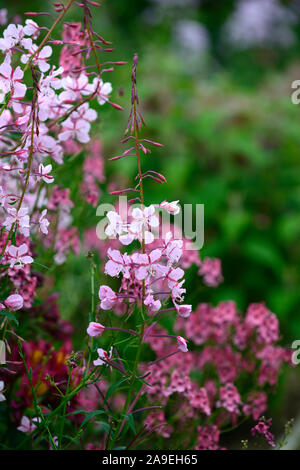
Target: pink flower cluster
36 136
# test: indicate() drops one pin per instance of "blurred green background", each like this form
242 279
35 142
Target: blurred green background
215 85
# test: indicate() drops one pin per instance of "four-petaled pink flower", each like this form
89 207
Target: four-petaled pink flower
20 218
143 219
146 264
40 58
101 89
17 256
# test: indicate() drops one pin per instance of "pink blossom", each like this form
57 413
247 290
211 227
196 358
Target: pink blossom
95 329
40 58
262 427
17 256
102 354
13 35
171 207
14 302
183 310
108 297
182 344
146 264
20 218
44 173
28 425
103 90
10 83
211 271
142 220
118 263
152 304
43 222
75 128
229 398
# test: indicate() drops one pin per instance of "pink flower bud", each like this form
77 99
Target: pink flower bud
95 329
181 343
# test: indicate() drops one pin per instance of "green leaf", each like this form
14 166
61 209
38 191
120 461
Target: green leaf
114 387
130 420
10 316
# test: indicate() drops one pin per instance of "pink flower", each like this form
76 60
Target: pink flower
40 59
27 425
229 398
10 83
181 343
43 222
108 297
171 207
152 304
14 302
95 329
146 264
103 90
74 88
211 271
17 256
118 263
103 355
183 310
20 218
75 128
13 35
44 173
31 28
262 427
143 219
